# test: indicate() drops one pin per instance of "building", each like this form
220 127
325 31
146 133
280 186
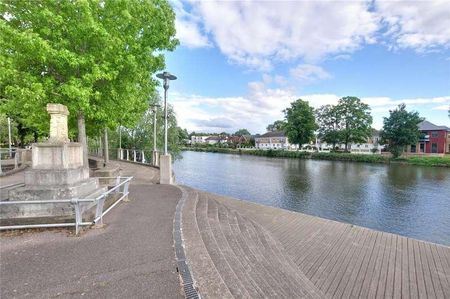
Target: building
239 140
215 140
272 140
198 139
434 140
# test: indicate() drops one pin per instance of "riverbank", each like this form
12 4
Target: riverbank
421 161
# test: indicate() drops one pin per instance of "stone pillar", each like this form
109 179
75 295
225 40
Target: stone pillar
58 123
165 169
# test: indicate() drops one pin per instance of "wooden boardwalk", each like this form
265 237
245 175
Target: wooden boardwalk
341 260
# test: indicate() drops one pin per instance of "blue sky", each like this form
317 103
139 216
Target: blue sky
240 63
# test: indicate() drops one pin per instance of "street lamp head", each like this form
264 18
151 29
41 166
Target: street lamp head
166 77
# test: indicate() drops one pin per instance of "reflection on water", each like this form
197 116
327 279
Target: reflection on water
408 200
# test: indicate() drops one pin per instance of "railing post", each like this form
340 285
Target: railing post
125 190
78 218
134 155
1 162
16 164
128 155
117 184
143 157
99 210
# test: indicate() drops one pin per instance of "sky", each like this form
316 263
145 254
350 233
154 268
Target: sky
241 63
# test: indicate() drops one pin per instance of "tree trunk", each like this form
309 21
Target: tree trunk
82 137
105 147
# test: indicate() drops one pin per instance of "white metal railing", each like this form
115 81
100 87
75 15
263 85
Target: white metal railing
147 157
121 183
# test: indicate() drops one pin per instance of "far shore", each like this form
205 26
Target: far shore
431 161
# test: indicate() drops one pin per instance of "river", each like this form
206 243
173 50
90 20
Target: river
408 200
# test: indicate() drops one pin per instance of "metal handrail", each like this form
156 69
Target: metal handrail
99 213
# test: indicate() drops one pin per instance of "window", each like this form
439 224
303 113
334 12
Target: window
422 147
434 148
434 134
413 148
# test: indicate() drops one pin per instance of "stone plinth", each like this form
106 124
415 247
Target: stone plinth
58 123
165 169
57 173
57 155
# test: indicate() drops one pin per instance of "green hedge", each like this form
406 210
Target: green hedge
422 161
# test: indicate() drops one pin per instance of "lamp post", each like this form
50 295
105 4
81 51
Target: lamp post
165 167
155 152
9 137
166 77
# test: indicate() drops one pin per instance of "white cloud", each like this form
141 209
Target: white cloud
188 27
263 105
258 34
420 25
442 107
308 73
255 33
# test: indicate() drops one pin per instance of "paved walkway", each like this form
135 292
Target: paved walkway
131 257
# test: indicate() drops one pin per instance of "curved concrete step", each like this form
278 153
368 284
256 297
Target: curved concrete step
230 252
206 278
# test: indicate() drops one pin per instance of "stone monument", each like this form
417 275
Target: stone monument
57 170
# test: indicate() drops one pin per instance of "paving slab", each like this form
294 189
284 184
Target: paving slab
131 257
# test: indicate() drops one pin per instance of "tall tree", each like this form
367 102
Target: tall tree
242 132
96 57
278 125
356 120
401 129
300 122
329 123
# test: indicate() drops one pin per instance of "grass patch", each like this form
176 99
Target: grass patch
426 161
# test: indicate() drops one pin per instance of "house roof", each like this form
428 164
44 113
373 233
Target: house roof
273 134
428 126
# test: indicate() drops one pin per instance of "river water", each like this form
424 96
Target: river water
407 200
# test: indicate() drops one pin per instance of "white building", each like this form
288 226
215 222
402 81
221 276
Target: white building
272 140
199 139
215 140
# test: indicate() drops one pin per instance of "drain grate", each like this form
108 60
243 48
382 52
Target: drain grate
183 269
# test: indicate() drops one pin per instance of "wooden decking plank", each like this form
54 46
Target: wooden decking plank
356 289
414 292
326 251
378 269
305 229
311 253
351 275
441 265
330 263
372 268
389 283
385 265
337 264
344 277
397 283
431 276
422 288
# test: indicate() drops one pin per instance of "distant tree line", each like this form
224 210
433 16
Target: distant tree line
347 122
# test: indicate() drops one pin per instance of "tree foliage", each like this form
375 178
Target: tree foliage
300 122
278 125
329 123
401 129
355 120
242 132
96 57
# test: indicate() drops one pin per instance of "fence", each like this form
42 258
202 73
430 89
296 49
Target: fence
13 158
121 187
132 155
